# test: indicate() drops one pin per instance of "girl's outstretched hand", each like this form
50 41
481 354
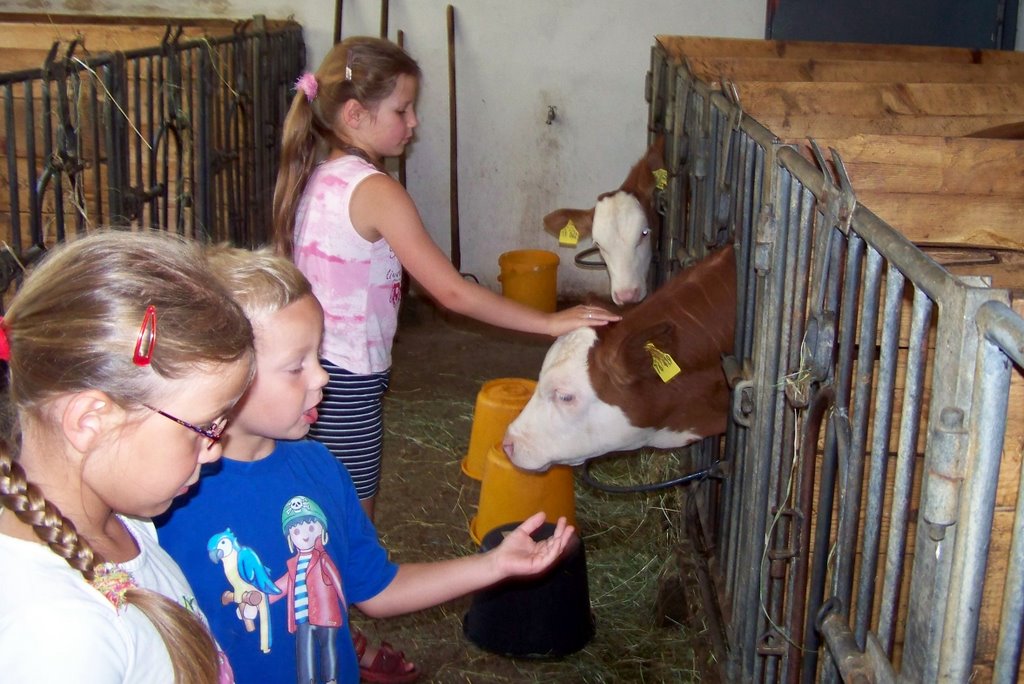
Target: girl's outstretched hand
519 554
578 316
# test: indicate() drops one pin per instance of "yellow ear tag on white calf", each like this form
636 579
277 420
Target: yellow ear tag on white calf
660 178
569 236
664 365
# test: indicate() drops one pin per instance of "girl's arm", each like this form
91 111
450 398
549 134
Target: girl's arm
382 208
422 585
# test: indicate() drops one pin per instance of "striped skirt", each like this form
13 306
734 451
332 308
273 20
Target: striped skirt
350 424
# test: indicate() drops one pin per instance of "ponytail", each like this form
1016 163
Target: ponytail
299 148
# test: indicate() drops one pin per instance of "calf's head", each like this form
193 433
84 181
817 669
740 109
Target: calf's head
565 421
620 225
599 391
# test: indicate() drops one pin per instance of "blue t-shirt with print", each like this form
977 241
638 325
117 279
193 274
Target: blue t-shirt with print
230 535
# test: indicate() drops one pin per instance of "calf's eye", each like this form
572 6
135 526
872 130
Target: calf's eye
564 397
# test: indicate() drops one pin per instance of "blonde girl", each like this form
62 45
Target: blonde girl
123 357
352 229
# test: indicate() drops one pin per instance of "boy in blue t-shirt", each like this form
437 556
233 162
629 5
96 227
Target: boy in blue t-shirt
273 539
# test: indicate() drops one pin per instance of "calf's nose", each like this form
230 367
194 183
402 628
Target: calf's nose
627 296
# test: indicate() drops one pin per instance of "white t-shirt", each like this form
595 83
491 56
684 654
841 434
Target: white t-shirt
55 627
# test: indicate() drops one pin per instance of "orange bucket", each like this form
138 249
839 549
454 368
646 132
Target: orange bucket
497 404
509 494
530 276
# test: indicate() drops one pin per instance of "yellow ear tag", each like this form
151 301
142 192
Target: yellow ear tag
569 236
664 365
660 178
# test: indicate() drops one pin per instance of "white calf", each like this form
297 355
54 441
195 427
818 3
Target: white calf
620 225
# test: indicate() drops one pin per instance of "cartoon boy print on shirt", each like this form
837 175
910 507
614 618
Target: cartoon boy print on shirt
316 602
250 583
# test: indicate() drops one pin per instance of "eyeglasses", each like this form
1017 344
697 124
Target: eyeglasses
212 433
144 345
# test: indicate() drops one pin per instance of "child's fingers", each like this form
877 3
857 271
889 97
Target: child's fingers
567 320
593 315
560 538
568 537
533 523
601 314
560 526
562 529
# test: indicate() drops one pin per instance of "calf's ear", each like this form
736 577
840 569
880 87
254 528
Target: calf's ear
583 219
645 182
655 157
630 361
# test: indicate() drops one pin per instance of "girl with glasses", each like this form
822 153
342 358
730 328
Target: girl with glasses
123 355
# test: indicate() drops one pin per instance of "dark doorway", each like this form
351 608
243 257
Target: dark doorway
984 24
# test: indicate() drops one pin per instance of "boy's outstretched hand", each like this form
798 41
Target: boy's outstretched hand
519 554
421 585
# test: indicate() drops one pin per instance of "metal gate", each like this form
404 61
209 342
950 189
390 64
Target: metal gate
182 136
852 520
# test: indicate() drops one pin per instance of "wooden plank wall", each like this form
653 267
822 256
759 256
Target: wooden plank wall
904 119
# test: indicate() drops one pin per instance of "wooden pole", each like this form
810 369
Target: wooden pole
383 18
337 21
454 145
401 158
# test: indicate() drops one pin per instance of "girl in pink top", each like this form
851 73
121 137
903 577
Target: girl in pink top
352 228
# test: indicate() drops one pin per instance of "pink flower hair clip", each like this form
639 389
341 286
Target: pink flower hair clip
307 85
114 583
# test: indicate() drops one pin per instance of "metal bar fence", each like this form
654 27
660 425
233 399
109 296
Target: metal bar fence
182 136
852 524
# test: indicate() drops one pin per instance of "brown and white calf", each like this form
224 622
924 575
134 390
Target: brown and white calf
620 225
598 390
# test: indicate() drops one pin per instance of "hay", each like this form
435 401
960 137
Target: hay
630 540
433 424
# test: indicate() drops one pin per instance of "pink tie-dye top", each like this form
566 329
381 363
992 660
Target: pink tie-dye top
358 283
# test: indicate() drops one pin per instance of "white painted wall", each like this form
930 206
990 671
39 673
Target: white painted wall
588 58
515 58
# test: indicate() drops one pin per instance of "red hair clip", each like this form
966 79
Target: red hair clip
146 342
5 344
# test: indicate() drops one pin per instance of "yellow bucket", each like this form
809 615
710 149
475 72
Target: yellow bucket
530 277
497 404
508 494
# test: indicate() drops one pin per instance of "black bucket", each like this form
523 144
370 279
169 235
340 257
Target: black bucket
538 617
